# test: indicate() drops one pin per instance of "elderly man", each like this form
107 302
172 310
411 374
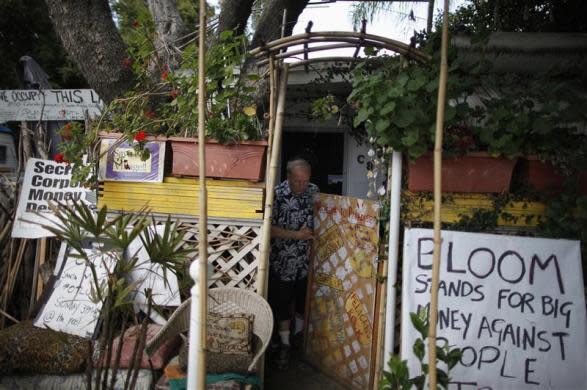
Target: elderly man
291 234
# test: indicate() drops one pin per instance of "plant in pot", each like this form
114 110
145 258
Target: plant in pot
163 106
396 101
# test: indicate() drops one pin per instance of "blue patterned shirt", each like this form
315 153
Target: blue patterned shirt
289 258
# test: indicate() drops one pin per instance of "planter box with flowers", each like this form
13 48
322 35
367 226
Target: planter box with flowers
245 160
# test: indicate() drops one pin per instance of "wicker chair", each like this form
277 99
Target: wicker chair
225 301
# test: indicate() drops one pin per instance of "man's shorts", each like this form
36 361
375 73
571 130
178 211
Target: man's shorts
283 295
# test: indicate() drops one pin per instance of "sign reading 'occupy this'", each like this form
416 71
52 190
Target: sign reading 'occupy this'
44 181
515 306
48 104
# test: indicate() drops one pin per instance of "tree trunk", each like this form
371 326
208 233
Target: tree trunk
269 27
169 27
234 15
90 37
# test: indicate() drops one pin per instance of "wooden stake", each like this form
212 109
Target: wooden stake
272 87
437 198
203 221
270 180
37 288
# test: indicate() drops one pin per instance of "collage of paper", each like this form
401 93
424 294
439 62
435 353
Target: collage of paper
343 288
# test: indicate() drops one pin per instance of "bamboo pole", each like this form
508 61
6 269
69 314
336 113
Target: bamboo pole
438 198
270 180
198 314
271 112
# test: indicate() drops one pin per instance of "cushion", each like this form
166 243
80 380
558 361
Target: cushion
24 348
159 358
229 333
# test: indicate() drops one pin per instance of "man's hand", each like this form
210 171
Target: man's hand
305 233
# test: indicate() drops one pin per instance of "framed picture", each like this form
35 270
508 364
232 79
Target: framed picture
120 162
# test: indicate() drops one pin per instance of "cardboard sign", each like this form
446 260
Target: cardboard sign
148 275
514 305
121 162
44 181
71 308
48 105
339 338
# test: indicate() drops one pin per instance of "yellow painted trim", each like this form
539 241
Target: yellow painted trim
226 198
416 208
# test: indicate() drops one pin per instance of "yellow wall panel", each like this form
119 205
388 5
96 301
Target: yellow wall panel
226 198
419 208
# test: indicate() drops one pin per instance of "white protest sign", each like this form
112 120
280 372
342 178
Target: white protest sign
70 308
514 305
44 181
48 104
163 284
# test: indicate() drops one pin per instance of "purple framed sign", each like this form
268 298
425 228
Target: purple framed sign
120 162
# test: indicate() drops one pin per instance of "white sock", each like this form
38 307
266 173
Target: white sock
284 335
299 325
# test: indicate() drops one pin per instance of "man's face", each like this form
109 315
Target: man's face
298 179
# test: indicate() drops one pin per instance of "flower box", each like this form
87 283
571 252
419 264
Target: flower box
476 172
542 176
245 160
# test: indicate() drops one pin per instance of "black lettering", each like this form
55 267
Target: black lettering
540 336
422 279
473 253
502 370
449 262
542 266
560 336
420 265
36 194
483 353
500 262
77 96
39 167
481 296
528 371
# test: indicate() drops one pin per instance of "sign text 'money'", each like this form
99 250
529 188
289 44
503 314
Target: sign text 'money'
515 306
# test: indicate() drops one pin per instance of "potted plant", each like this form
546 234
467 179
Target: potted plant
396 101
163 106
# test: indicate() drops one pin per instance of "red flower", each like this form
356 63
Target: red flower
140 136
127 62
66 132
135 23
164 75
59 158
173 93
150 114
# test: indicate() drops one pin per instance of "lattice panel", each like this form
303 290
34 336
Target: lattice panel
343 289
233 249
233 252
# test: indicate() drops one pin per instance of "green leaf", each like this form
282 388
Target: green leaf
382 125
419 349
387 108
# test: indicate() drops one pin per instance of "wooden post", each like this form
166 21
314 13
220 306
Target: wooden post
37 288
272 88
430 16
437 198
199 271
270 185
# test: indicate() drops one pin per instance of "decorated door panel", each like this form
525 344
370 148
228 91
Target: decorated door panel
342 291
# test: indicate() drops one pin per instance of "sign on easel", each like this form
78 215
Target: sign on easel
49 104
343 287
515 306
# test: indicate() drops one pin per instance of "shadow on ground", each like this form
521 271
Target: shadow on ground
299 376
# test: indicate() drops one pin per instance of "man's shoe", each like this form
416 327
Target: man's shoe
283 358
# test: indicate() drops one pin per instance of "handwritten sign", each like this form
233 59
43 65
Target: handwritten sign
514 305
339 338
48 104
70 308
44 181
